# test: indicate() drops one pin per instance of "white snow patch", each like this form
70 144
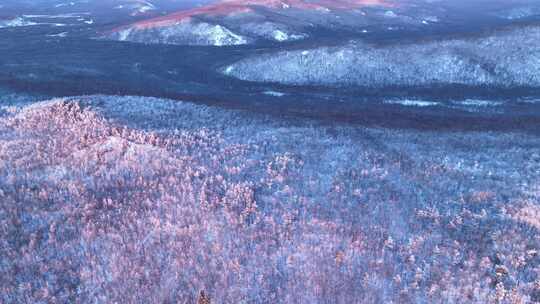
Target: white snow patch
60 35
280 35
431 19
123 35
297 36
530 100
478 103
274 93
145 8
140 8
16 22
323 9
220 36
229 69
412 103
182 33
65 4
390 14
59 16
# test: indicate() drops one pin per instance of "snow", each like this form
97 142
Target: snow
412 103
390 14
23 22
520 13
124 34
495 60
229 29
59 16
478 103
229 70
530 100
16 22
280 36
60 35
137 7
65 4
432 19
220 36
182 33
274 93
109 183
145 8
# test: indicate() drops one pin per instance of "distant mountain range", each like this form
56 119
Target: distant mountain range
425 45
237 22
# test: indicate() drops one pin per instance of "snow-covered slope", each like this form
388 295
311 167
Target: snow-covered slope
510 58
183 32
16 22
110 199
292 20
136 7
278 21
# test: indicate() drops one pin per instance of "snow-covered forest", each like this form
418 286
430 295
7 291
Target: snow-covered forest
140 200
269 151
505 58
